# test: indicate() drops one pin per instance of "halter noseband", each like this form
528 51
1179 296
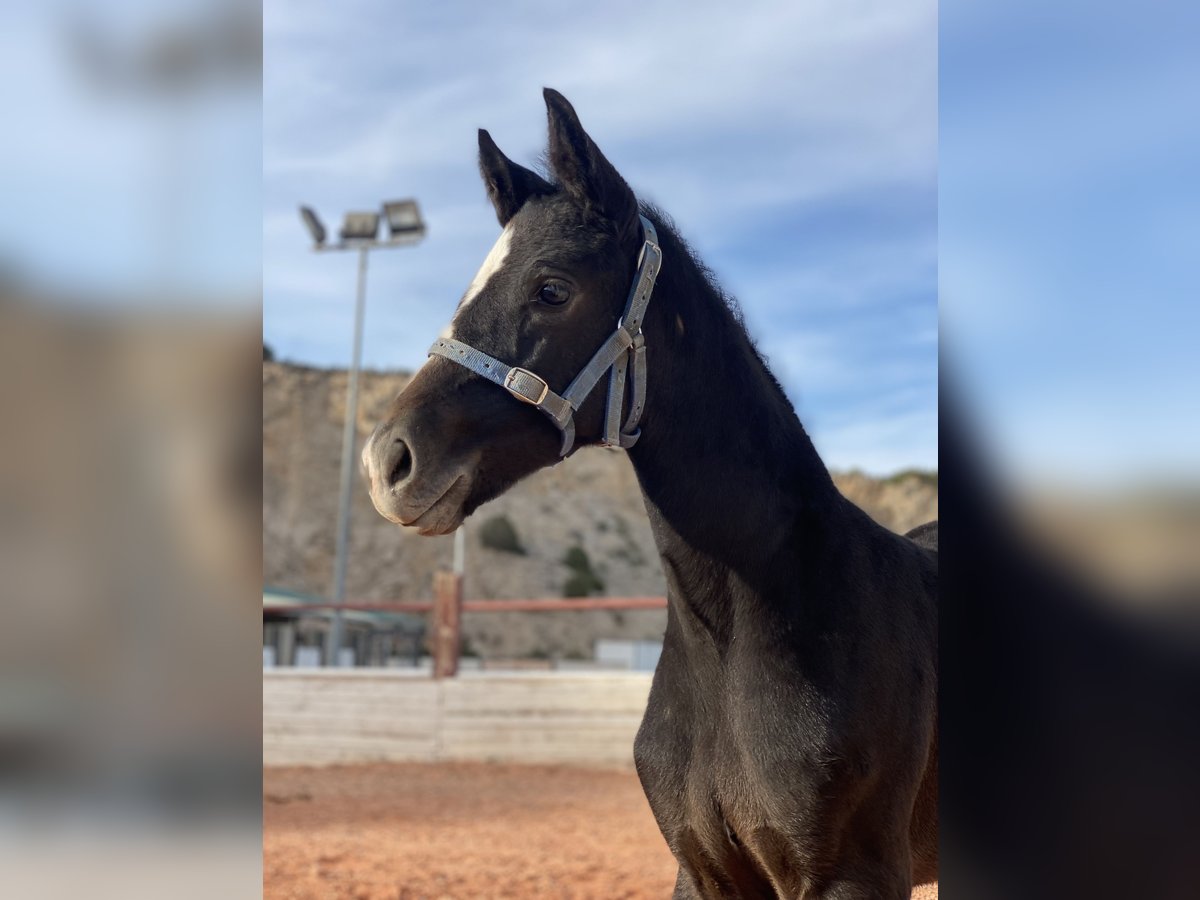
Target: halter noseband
623 345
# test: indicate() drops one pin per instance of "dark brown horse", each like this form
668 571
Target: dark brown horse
789 748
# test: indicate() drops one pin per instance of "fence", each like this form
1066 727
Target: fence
447 607
324 716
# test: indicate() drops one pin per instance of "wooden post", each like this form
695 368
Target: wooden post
447 623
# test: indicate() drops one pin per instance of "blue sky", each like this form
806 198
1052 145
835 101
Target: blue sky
794 144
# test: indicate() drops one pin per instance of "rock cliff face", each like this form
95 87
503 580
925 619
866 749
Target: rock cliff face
591 504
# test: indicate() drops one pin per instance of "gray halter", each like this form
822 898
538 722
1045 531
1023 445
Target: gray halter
625 344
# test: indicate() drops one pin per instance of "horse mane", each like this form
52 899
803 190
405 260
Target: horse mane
704 286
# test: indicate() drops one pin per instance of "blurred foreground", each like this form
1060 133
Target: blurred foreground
129 475
129 546
1068 727
1069 186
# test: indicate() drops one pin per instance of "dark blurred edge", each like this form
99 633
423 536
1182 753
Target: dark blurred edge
130 456
130 546
1070 703
1070 731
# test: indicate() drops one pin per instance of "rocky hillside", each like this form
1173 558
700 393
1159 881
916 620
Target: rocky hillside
577 527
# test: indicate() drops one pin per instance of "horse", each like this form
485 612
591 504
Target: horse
789 744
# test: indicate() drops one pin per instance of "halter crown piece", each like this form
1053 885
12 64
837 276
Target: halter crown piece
625 345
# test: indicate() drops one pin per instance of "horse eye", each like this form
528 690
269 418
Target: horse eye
554 293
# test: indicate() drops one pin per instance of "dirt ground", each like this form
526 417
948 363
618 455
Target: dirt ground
461 832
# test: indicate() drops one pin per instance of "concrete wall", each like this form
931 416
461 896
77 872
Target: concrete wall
368 715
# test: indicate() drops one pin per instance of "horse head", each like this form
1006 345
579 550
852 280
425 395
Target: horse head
553 289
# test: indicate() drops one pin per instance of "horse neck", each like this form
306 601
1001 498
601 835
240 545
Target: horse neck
728 473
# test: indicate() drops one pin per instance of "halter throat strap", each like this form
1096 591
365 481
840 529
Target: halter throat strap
623 356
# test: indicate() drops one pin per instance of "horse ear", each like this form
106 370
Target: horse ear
508 184
581 168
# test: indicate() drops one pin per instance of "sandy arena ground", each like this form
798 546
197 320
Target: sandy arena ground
461 832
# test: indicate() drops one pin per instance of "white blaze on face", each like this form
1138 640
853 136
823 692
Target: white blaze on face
491 265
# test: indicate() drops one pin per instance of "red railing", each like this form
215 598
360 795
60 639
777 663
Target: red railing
447 607
550 604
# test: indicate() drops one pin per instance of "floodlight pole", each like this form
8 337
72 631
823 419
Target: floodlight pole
349 433
405 228
459 559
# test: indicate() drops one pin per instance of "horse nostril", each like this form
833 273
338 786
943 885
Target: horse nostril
400 463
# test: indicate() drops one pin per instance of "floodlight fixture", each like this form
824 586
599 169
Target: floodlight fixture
313 223
360 226
403 218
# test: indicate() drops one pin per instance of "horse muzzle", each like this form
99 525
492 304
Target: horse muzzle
413 493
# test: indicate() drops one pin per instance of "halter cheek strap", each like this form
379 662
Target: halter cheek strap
623 355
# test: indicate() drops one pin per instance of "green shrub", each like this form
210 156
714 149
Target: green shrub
576 559
579 584
583 581
498 533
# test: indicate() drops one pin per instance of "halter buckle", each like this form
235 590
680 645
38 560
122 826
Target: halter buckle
512 375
